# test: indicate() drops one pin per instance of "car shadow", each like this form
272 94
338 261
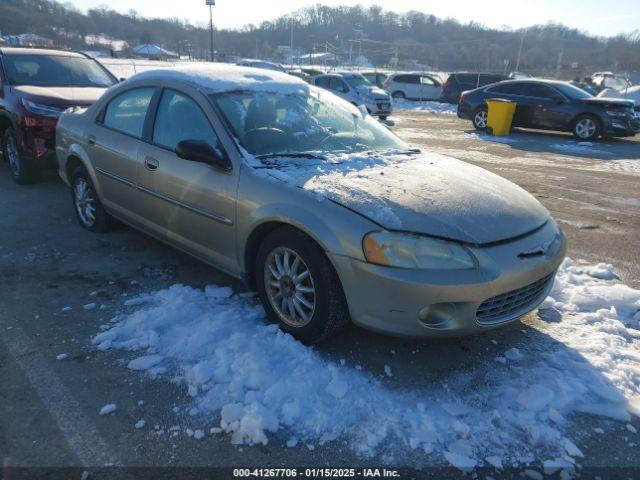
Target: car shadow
564 144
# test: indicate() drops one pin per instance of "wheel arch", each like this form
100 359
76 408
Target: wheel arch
76 157
257 236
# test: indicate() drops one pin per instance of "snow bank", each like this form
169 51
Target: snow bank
425 107
252 380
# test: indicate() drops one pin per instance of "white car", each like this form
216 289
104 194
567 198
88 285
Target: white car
414 86
248 62
354 88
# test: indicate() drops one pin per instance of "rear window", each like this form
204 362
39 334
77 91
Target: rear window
55 71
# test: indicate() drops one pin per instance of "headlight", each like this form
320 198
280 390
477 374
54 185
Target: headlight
43 110
404 250
616 113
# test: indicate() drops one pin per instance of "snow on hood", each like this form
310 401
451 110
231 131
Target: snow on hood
515 407
427 193
217 78
66 95
373 91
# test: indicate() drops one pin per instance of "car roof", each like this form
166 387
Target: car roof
40 51
222 77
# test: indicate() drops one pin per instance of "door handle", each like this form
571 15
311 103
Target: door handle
151 163
91 140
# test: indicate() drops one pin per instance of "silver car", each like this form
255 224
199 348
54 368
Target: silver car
321 209
356 89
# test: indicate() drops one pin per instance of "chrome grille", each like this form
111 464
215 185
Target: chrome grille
506 306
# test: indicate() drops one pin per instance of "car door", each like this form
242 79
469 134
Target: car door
430 88
516 92
551 109
190 204
113 141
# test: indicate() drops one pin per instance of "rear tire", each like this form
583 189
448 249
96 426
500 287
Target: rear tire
23 170
90 213
399 95
479 118
586 128
307 285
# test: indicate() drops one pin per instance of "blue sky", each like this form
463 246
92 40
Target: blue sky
595 16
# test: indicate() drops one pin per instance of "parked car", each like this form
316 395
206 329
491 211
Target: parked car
414 86
36 86
375 78
459 82
296 72
354 88
605 80
262 64
553 105
327 214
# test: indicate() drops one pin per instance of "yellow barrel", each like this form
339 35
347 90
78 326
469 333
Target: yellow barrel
500 115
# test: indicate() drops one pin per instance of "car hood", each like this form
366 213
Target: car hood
609 102
373 92
63 96
426 193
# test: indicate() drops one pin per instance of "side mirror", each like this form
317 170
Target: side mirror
202 152
558 99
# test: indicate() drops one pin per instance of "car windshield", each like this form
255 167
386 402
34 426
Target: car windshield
572 91
357 82
315 122
55 71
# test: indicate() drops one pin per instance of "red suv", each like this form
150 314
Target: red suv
36 86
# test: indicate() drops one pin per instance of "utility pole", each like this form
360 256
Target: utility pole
291 44
211 4
520 51
559 64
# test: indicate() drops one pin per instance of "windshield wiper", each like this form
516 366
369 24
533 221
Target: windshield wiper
267 156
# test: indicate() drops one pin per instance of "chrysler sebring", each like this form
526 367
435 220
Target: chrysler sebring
314 204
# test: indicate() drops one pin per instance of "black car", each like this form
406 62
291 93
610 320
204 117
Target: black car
461 82
553 105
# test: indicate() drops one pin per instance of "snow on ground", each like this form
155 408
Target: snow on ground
249 380
424 106
580 148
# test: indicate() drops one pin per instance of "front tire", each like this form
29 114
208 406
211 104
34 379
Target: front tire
399 95
299 287
479 119
586 128
90 213
23 170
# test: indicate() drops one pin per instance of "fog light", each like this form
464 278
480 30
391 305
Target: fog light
437 315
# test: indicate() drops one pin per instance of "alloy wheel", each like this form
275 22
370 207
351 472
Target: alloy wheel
85 202
586 128
13 156
290 287
481 119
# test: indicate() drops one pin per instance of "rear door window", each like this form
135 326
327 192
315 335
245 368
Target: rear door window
509 89
127 112
323 82
338 85
411 79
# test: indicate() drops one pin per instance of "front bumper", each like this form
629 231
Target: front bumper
450 303
38 139
622 127
380 108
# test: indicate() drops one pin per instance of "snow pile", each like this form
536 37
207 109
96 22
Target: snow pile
425 106
251 380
